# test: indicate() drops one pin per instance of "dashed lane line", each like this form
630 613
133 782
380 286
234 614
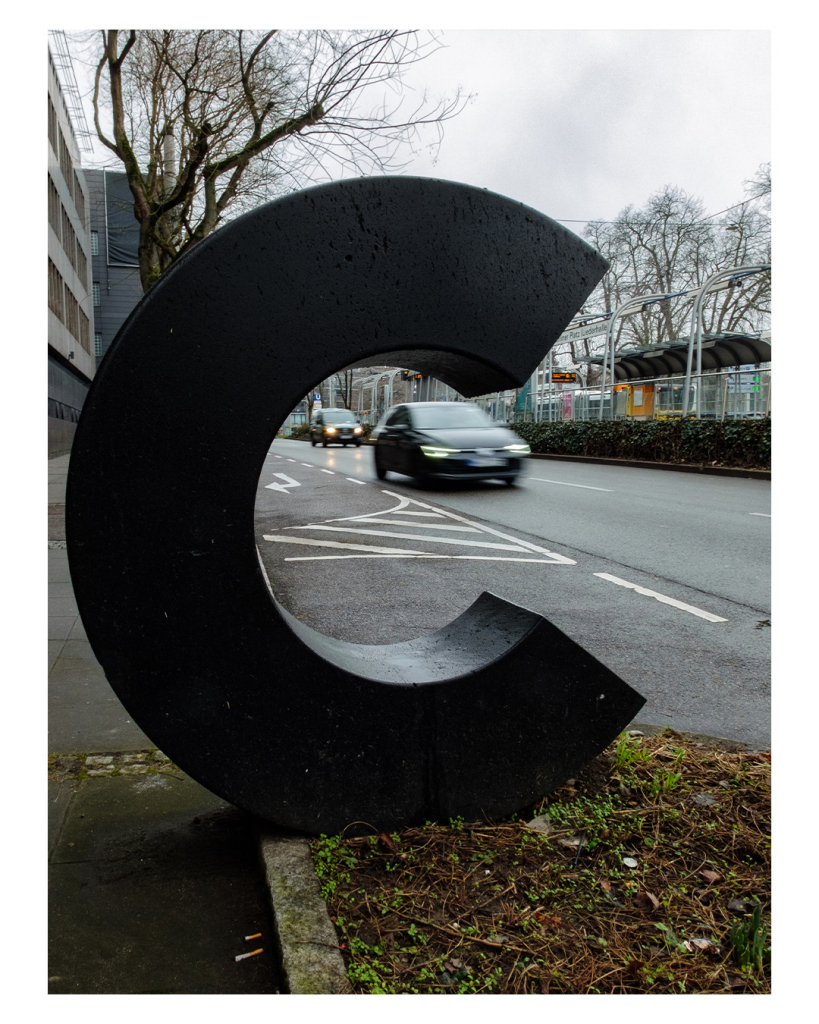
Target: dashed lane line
765 515
661 597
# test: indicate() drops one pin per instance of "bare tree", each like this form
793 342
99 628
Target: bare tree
759 186
670 246
344 385
209 123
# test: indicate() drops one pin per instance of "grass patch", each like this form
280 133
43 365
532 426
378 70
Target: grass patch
652 875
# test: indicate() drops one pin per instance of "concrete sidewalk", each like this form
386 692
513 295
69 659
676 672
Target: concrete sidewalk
154 882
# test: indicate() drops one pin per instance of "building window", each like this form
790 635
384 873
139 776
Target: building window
72 313
95 243
79 199
54 207
65 164
96 292
98 345
69 238
82 266
55 291
84 337
52 127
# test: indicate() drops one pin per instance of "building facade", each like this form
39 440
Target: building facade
116 287
71 361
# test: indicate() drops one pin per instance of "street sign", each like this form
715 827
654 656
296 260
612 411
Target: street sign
564 378
583 332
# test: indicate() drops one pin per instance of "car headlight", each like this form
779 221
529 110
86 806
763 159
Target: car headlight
330 430
518 449
357 430
435 452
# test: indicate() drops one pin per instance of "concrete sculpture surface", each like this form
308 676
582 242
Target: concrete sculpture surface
489 712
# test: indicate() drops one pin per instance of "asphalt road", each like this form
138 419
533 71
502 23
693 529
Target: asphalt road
373 561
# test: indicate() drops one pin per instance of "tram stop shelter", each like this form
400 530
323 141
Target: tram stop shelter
719 352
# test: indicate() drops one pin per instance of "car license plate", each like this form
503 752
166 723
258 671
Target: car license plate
485 461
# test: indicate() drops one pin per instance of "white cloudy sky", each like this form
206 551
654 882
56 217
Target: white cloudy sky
581 123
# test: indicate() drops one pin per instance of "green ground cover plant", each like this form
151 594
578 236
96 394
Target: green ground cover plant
648 873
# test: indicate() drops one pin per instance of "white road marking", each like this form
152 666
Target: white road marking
353 480
557 559
425 554
376 552
407 512
586 487
411 536
309 465
290 482
765 515
452 522
279 538
330 471
661 597
419 526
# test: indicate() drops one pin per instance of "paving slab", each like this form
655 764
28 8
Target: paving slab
153 885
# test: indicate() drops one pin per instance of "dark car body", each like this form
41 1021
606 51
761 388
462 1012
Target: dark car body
448 441
335 426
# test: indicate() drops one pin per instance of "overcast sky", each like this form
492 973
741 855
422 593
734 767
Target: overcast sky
580 124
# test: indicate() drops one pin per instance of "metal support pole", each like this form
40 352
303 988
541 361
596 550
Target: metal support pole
622 310
712 284
605 357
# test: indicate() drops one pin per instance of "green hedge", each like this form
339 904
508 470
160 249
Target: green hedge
744 444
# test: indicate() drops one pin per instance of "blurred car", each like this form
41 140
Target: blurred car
446 440
335 426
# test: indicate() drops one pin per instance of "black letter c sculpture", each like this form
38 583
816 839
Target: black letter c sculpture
490 712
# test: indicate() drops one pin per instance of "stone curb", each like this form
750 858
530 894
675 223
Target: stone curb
648 729
306 940
682 467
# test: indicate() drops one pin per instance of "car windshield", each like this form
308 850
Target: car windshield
338 416
448 416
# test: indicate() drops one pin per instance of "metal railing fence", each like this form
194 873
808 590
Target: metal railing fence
720 395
